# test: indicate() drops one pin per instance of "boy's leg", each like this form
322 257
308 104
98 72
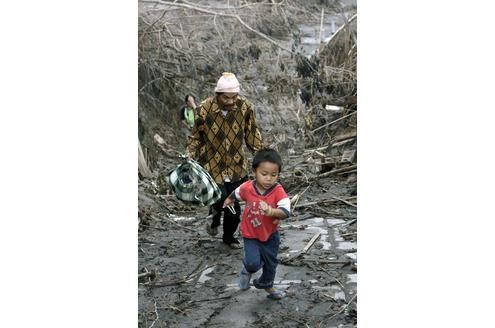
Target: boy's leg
268 253
252 256
251 263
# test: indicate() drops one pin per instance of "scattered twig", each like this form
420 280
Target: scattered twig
171 221
310 243
320 201
183 5
182 280
174 308
328 273
296 198
210 299
152 274
343 169
156 313
327 124
343 308
344 201
341 28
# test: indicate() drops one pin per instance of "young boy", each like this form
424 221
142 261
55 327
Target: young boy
266 204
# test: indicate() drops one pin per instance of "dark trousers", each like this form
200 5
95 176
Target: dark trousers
259 255
230 221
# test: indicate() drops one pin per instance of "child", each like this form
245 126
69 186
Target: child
266 204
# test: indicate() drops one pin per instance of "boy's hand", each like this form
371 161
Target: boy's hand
265 208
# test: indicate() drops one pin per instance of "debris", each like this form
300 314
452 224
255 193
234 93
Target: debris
310 243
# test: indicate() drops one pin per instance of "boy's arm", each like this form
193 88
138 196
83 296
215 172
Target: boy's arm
282 211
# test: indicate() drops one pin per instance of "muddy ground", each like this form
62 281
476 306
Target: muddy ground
192 276
188 278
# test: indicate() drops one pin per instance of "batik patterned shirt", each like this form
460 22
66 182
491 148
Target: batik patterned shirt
217 139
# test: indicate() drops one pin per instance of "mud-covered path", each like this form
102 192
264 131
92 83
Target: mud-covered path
196 281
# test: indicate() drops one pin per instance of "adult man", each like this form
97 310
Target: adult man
223 124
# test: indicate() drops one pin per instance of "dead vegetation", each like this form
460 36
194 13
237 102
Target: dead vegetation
184 47
307 109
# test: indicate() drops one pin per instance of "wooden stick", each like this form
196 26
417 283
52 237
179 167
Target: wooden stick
344 136
143 167
342 27
343 169
321 25
310 243
173 222
343 308
319 201
325 125
156 313
210 299
344 201
151 274
312 266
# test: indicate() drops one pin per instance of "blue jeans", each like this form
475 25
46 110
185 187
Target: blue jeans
259 255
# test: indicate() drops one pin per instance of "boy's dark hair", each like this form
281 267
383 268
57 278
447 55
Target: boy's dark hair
267 155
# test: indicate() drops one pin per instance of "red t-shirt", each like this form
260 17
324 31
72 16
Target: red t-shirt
254 223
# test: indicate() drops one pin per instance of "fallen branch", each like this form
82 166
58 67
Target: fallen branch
210 299
156 313
296 198
343 308
152 274
341 28
313 267
320 201
344 201
174 308
204 10
310 243
327 124
343 169
345 136
182 280
171 221
143 166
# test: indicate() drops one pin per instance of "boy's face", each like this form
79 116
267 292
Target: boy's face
266 175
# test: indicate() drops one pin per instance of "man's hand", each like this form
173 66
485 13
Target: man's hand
228 201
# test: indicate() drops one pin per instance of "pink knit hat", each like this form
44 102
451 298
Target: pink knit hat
227 83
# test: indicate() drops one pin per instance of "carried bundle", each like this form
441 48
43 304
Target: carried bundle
193 185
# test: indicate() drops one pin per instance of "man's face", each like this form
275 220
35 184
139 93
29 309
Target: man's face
227 100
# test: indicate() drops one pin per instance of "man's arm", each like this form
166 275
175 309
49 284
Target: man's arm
252 133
